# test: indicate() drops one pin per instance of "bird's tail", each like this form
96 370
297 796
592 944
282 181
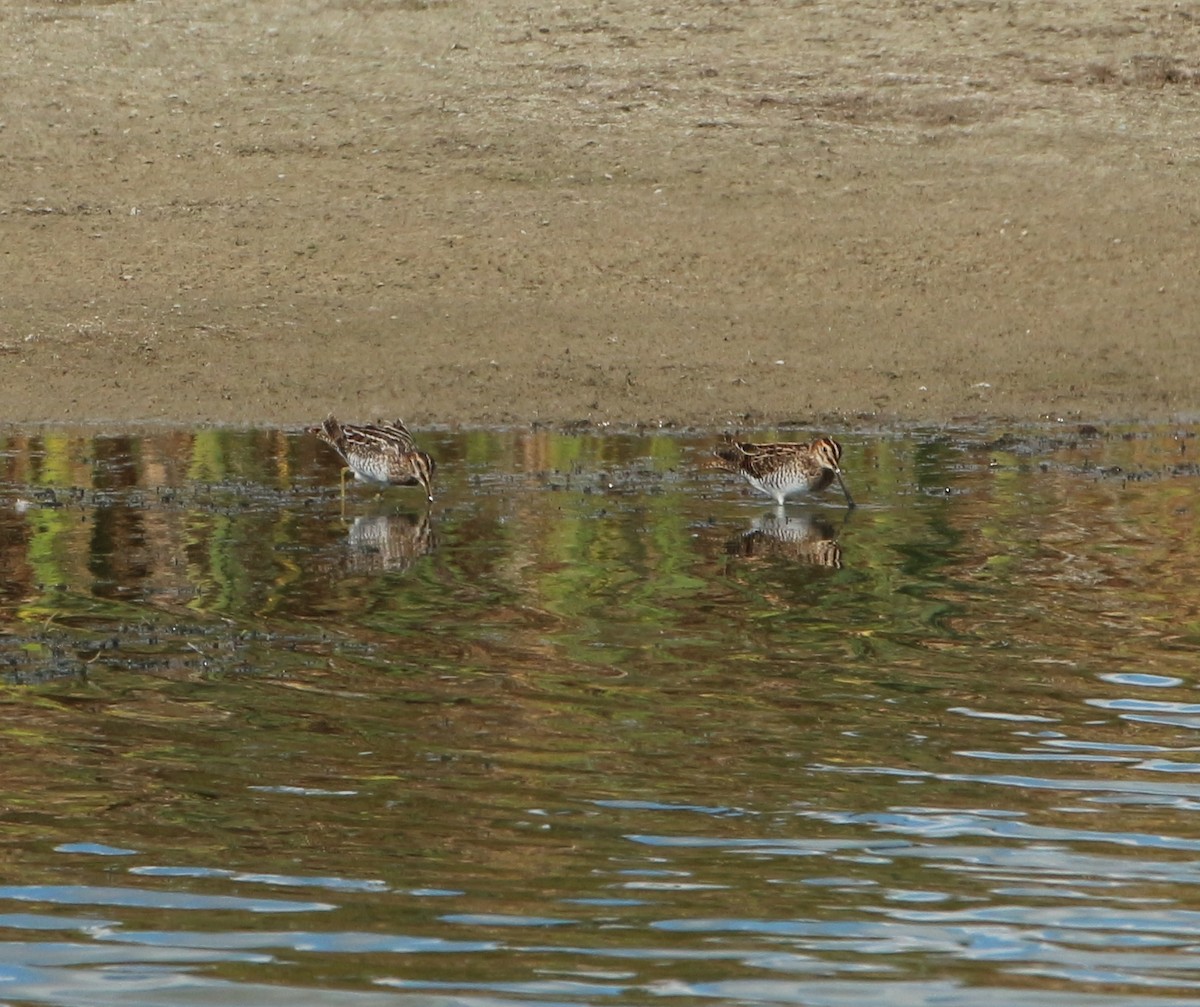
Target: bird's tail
728 455
329 431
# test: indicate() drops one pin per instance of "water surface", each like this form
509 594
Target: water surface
601 726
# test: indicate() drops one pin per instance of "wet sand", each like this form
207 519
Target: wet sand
714 214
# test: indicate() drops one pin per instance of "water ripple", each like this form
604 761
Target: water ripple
643 742
145 897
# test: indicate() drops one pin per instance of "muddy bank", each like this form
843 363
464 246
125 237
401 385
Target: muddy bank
708 214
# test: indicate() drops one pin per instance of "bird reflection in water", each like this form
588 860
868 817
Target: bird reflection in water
801 538
388 542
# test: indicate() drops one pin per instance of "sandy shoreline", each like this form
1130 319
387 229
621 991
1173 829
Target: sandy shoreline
710 216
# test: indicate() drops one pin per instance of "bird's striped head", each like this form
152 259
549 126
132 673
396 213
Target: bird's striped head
828 452
423 467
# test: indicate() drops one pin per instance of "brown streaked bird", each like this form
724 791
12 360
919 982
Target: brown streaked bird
781 469
378 452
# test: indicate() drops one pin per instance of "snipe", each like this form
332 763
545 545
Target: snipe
379 452
783 469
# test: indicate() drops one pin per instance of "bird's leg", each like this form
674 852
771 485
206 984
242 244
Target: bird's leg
344 471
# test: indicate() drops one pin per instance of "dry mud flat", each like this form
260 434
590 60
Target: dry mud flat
721 213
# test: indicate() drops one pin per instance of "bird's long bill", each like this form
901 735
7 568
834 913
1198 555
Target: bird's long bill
849 499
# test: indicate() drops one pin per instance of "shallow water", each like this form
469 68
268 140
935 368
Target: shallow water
602 727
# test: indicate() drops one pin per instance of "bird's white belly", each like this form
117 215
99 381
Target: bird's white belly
758 485
776 488
370 474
